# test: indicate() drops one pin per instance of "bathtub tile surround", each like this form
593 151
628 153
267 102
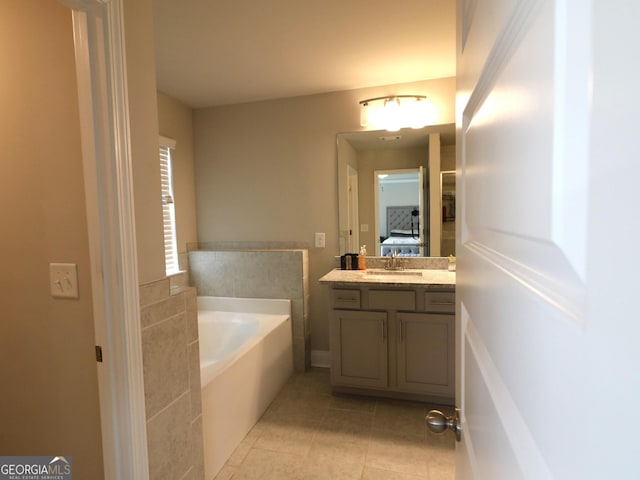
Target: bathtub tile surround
259 273
194 382
308 432
161 310
191 308
172 381
164 375
169 441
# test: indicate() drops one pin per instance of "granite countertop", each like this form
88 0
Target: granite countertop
385 277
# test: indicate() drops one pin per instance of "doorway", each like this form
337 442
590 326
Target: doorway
399 212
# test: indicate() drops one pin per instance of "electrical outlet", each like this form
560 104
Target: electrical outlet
320 240
63 280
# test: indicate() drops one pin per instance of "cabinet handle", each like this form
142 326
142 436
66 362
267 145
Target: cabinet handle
401 322
442 303
383 332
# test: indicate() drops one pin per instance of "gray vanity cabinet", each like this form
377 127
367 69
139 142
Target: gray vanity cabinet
425 353
393 341
359 348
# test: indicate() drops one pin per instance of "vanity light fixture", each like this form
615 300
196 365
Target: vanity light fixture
394 112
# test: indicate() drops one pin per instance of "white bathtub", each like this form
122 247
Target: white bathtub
246 356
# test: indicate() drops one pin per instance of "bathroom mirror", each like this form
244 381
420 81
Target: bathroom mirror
430 220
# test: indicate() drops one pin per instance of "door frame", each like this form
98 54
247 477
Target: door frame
353 223
98 29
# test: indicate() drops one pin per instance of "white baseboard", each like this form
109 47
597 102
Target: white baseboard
320 358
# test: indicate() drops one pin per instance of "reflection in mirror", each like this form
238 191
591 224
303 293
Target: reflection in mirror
361 219
400 212
448 189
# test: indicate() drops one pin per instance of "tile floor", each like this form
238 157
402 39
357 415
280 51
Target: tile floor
308 433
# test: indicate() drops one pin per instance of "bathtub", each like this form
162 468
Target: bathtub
246 356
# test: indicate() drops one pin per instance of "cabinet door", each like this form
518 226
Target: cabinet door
426 345
359 348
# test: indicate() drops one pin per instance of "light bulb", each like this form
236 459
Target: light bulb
364 115
392 114
416 113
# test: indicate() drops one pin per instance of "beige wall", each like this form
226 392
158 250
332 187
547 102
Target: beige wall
267 171
447 157
49 403
143 114
49 400
175 121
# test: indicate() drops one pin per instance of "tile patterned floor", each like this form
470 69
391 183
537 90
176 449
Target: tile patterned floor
308 433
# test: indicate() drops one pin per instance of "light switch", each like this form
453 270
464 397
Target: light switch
63 280
320 240
364 227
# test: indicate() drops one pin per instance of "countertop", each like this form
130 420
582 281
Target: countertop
423 277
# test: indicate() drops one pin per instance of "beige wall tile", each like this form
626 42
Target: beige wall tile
194 380
170 441
165 363
191 308
154 292
160 311
197 457
258 274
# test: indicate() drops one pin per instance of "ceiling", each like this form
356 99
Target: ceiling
218 52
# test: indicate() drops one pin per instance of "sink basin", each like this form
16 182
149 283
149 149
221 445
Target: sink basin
395 273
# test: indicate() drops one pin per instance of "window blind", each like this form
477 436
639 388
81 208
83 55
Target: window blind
168 208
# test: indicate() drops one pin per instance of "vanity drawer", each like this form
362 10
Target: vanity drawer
392 300
440 302
345 298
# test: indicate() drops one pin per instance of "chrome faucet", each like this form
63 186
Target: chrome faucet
394 263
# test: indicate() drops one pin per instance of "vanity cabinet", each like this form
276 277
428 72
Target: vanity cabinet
393 341
425 353
360 354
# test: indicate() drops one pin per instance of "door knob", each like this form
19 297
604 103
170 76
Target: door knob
438 422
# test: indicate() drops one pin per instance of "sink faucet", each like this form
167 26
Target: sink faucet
394 263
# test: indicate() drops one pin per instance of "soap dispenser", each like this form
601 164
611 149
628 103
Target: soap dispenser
362 258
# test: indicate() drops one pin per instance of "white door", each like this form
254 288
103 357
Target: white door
548 377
